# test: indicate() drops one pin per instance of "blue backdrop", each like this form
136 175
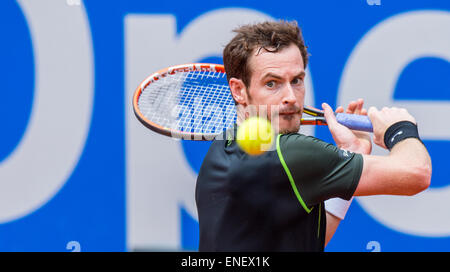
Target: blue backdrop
94 202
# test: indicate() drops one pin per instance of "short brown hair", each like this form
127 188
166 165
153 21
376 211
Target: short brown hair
270 36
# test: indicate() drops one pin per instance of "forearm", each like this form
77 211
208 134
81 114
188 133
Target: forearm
405 171
413 166
332 225
412 153
336 210
337 206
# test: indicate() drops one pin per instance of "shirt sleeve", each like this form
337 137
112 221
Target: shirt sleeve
318 170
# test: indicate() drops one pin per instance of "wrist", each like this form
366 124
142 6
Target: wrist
400 131
338 206
361 146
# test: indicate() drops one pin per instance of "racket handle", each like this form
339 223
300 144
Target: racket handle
354 121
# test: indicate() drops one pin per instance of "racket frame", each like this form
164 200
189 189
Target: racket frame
182 68
316 119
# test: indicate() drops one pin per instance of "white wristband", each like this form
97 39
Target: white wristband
338 206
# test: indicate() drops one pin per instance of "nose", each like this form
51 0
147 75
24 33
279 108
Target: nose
289 97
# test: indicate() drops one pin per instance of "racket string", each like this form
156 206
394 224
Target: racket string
195 102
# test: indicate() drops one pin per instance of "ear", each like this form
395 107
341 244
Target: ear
239 91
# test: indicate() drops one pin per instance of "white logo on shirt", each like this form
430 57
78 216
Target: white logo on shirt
345 153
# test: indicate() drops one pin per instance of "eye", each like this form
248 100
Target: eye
270 84
297 81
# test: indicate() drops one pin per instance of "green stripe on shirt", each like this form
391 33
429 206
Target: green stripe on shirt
288 173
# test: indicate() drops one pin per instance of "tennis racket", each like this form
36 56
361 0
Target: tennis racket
194 102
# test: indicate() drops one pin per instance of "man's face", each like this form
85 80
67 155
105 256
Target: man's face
277 80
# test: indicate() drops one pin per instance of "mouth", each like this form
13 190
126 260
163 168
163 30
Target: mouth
289 116
290 113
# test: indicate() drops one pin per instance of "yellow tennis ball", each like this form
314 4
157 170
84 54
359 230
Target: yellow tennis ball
255 135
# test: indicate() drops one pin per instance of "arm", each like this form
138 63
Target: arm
407 168
332 224
405 171
354 141
336 208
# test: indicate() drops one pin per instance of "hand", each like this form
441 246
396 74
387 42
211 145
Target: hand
354 141
382 120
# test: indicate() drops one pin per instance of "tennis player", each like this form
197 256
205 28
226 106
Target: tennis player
292 198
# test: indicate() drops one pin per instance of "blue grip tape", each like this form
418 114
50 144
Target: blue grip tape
355 122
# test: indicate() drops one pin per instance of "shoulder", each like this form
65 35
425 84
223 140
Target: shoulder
302 147
296 140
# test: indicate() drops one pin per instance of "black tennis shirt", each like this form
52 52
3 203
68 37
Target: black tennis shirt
274 201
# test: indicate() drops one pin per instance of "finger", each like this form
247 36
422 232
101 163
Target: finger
359 106
351 107
329 116
376 117
340 109
372 110
363 112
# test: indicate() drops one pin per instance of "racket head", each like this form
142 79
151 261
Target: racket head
189 101
193 102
